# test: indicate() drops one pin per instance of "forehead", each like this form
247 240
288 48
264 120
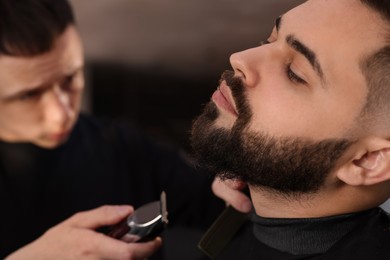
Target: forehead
339 16
66 56
341 32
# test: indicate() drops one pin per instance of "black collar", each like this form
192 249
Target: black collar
305 236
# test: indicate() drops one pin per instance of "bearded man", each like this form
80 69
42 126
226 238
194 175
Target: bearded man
303 120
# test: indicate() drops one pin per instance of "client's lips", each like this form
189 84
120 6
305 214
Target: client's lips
222 97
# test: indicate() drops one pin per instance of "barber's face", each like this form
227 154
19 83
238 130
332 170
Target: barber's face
40 96
288 111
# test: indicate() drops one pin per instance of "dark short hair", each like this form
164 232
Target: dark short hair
30 27
376 69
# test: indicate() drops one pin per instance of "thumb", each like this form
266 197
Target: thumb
230 192
102 216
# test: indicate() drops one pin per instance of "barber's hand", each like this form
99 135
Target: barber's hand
231 192
76 238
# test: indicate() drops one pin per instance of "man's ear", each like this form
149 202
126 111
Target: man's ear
369 163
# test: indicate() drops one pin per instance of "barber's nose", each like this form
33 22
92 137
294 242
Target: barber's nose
58 108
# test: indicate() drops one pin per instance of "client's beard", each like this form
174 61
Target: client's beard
286 165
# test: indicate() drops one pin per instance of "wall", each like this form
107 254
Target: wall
182 36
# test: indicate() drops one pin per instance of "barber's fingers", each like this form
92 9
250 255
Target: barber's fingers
234 184
145 250
108 248
230 192
102 216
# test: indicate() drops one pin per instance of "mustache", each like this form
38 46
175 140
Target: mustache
231 80
237 86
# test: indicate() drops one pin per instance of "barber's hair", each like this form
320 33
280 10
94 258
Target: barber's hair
376 69
30 27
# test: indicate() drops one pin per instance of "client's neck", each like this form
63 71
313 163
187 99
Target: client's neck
327 202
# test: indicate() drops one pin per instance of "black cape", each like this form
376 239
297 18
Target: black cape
369 240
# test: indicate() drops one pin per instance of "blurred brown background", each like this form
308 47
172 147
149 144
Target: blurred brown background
157 61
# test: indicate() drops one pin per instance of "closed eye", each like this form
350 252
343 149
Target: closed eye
294 77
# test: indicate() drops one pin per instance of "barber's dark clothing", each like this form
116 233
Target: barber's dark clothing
102 163
359 236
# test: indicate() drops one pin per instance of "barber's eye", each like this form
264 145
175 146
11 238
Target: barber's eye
294 77
30 95
67 83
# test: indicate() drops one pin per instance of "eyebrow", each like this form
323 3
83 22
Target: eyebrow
298 46
40 88
18 94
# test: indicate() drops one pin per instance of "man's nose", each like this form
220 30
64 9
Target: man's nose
58 108
249 64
